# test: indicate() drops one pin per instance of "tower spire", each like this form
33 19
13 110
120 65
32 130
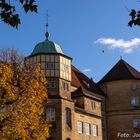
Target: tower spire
47 24
47 33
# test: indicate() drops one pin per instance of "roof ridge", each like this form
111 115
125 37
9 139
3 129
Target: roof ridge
129 67
121 71
91 80
84 81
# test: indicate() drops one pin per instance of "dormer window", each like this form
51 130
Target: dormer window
65 86
93 104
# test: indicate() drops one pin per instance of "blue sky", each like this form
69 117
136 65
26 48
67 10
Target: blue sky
83 28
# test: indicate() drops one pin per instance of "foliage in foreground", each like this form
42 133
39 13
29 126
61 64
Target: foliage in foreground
8 12
22 103
10 16
135 18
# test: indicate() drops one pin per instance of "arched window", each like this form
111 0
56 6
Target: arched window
68 139
68 117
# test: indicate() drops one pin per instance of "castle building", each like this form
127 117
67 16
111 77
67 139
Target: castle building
79 108
75 102
122 87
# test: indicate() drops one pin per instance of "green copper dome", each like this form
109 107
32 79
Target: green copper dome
47 47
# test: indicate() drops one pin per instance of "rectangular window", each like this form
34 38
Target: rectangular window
88 128
135 101
50 65
95 130
65 86
80 127
66 68
68 117
51 84
50 113
93 105
136 123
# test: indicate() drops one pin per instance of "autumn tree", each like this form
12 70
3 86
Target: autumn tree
9 14
23 98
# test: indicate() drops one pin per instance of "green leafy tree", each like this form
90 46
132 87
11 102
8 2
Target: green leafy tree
8 12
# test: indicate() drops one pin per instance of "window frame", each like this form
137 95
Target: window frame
50 113
65 86
51 84
88 128
93 105
50 65
95 130
136 123
80 127
135 102
65 67
68 117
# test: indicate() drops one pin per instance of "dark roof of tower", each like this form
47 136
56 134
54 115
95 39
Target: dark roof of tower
81 80
121 71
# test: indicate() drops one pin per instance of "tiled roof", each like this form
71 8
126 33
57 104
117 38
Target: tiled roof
77 93
47 47
81 80
121 71
81 91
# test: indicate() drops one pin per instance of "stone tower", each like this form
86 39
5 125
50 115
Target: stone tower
57 68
